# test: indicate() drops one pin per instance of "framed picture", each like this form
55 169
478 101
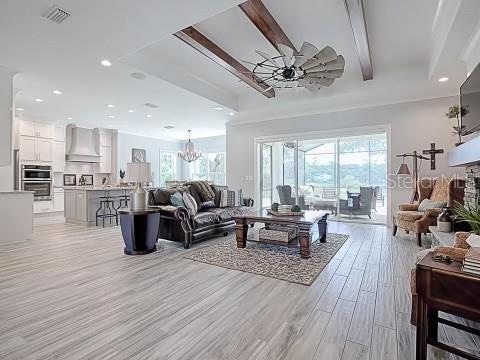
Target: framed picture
139 155
69 179
88 179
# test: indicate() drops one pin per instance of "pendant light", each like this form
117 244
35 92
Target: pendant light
189 154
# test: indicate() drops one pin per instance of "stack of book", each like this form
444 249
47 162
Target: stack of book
471 262
284 209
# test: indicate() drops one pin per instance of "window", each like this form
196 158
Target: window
210 167
168 166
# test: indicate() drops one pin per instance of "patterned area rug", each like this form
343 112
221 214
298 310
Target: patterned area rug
279 262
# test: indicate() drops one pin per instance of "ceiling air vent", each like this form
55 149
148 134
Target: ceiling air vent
56 15
150 105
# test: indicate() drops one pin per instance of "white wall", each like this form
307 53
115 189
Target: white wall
6 128
413 126
152 146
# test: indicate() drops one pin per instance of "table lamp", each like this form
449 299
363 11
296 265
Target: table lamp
138 173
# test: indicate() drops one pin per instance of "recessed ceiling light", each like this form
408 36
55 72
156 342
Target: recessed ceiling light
149 115
39 100
110 106
443 79
231 113
131 111
106 62
111 116
57 92
169 127
69 118
218 108
20 109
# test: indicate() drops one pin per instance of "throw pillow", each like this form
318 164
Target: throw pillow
196 195
231 198
190 203
431 204
223 198
177 199
217 189
206 205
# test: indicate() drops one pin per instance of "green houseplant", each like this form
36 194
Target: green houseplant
456 112
469 214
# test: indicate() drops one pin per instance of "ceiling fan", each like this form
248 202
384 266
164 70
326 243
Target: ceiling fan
311 68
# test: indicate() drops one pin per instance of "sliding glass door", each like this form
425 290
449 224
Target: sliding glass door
346 176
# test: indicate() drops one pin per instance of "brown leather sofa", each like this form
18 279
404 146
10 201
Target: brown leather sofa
176 224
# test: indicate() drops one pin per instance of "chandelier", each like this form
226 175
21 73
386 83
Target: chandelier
189 154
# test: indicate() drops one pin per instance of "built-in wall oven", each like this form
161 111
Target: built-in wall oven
38 178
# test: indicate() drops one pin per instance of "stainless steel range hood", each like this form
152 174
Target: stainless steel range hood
82 145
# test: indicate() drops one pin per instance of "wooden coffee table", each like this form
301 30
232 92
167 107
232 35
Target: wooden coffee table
304 224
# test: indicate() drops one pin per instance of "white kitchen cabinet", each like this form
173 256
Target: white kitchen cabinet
27 128
59 134
105 164
28 148
45 150
42 206
33 129
58 157
58 199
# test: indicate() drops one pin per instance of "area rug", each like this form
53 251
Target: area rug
279 262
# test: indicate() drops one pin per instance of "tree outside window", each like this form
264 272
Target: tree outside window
168 167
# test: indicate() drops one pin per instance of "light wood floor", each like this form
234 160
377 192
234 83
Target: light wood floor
70 293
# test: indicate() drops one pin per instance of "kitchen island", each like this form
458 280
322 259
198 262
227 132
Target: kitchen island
82 202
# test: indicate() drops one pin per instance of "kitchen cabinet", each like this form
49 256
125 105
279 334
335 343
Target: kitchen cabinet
58 199
34 149
58 157
44 150
42 206
105 164
33 129
28 148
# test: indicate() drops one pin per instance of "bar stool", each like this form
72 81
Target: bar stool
123 200
106 204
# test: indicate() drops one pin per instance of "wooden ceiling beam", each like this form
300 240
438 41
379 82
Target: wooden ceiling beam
201 43
266 23
356 14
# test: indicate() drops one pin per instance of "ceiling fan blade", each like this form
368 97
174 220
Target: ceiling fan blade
334 74
267 89
249 63
307 51
327 54
287 54
338 64
320 81
309 86
311 63
267 57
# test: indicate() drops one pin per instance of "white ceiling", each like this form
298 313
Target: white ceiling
187 86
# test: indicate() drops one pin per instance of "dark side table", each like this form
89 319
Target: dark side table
139 230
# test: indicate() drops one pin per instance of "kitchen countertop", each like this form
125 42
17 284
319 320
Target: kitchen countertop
16 192
98 188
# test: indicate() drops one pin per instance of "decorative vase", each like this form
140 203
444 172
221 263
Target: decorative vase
444 220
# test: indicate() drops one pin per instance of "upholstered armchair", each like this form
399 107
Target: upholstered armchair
409 218
286 198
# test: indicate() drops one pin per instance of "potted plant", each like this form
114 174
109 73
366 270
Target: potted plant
469 214
455 112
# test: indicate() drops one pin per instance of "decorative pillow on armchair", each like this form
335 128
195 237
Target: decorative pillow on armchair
177 199
190 203
431 204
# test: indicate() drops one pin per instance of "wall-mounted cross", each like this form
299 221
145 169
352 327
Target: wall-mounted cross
432 152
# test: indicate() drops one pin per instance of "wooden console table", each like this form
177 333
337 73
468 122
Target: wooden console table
444 287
